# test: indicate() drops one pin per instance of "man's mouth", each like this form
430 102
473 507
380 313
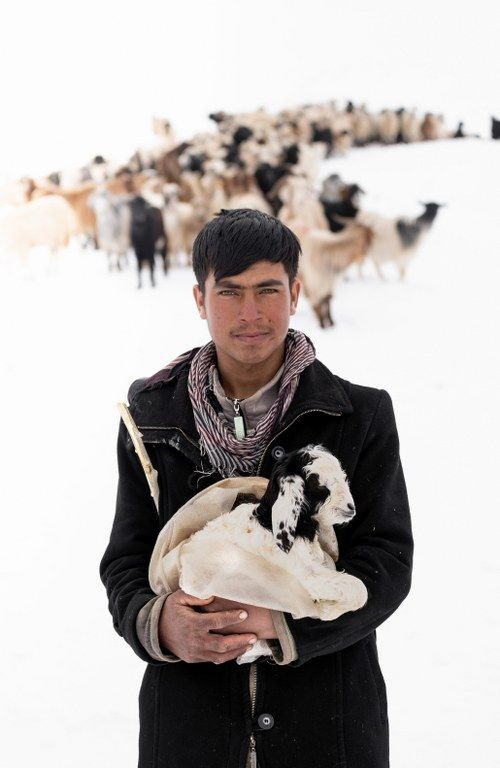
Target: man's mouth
251 336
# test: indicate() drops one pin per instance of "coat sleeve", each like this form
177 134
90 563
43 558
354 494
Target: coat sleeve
376 546
125 563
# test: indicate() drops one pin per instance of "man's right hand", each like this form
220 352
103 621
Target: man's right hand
192 635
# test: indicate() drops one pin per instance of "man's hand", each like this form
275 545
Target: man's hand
259 619
196 636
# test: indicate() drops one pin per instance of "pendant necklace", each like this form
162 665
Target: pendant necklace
239 423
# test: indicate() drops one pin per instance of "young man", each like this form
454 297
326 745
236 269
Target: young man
234 407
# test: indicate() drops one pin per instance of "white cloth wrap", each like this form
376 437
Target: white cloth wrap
228 570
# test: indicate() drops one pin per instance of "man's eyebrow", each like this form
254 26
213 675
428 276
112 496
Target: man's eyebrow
226 283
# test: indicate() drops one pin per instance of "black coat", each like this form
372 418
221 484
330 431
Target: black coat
329 706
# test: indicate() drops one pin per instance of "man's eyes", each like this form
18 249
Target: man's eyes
230 292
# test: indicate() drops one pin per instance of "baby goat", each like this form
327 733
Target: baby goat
279 552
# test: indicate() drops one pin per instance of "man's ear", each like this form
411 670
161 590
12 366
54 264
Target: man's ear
294 295
200 301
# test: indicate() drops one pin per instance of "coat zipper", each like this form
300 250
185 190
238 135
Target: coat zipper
311 410
252 674
253 666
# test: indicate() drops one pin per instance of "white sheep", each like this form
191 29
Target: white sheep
411 130
46 221
326 258
113 219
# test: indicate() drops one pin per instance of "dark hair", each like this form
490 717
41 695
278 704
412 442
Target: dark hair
235 239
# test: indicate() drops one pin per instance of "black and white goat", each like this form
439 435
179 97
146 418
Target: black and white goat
279 552
397 239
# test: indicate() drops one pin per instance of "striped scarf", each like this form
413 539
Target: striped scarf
230 456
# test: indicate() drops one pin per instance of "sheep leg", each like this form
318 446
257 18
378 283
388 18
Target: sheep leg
123 259
402 271
317 312
335 592
152 271
339 591
379 270
322 312
326 318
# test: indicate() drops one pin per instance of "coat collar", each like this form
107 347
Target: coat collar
162 401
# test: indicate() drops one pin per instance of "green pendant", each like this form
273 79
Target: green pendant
239 427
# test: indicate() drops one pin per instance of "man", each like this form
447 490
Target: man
233 407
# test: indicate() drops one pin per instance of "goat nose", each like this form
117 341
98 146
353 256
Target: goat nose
350 506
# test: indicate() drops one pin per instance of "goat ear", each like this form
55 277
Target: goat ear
288 505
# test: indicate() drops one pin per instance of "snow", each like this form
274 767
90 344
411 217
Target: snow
75 336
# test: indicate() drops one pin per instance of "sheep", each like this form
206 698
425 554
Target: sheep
323 135
99 169
47 221
308 158
15 193
212 194
267 177
363 126
339 201
168 164
326 257
410 128
388 126
182 223
242 192
495 128
271 546
113 226
78 199
433 127
332 187
160 142
300 205
146 229
398 239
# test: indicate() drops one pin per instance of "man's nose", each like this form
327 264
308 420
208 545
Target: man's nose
249 307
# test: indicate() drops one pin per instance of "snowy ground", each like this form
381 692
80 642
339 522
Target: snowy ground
74 340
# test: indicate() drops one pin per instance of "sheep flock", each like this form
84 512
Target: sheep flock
155 203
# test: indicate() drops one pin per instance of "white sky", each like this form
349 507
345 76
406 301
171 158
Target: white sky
85 78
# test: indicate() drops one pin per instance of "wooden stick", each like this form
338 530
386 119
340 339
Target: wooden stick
140 449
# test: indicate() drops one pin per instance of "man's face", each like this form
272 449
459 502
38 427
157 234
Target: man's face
248 314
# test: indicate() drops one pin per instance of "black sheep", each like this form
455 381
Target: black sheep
266 176
241 134
146 231
495 128
323 135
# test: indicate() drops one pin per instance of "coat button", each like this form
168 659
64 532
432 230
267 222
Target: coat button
265 721
278 452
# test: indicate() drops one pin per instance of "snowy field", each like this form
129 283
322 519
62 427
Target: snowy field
73 340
